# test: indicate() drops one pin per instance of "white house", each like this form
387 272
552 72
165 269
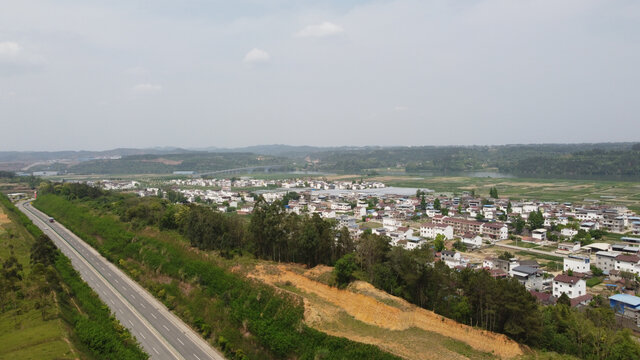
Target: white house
530 277
568 233
360 211
405 232
540 234
390 223
471 239
567 246
431 230
628 263
527 208
413 242
589 225
570 285
577 263
452 259
340 206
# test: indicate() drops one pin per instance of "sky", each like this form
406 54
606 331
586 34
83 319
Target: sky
98 74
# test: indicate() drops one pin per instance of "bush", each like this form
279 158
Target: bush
343 270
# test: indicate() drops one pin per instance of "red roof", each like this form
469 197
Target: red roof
497 273
576 301
628 258
542 297
566 279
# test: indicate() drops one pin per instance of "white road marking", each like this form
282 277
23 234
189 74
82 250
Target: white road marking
196 356
154 316
165 326
180 341
141 304
130 322
154 349
142 334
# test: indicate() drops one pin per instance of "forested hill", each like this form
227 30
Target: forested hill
162 164
585 163
615 160
557 160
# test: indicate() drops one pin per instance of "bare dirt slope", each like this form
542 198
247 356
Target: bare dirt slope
366 314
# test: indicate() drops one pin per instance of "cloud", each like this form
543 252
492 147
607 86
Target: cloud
142 89
256 56
401 108
320 30
15 60
9 50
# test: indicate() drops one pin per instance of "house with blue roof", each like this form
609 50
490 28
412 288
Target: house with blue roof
626 305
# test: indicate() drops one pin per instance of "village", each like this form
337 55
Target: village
586 251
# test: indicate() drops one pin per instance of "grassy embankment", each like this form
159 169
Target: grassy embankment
243 318
63 319
24 332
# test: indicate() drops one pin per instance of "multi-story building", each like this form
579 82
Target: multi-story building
495 230
581 264
431 230
606 260
570 285
628 263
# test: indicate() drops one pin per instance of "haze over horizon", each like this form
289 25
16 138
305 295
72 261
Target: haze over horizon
98 75
213 148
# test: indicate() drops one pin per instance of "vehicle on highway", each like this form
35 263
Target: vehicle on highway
51 220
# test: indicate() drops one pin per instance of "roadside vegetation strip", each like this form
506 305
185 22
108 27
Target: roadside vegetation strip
97 333
244 318
31 325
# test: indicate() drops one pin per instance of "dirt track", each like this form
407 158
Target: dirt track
372 311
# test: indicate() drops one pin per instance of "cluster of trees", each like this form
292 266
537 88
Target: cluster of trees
535 220
271 234
589 334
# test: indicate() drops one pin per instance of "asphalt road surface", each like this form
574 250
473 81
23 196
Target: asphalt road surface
162 334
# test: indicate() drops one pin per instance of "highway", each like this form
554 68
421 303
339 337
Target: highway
162 334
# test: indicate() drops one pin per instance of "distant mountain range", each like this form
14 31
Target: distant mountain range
531 160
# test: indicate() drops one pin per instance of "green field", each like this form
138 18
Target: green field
612 192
